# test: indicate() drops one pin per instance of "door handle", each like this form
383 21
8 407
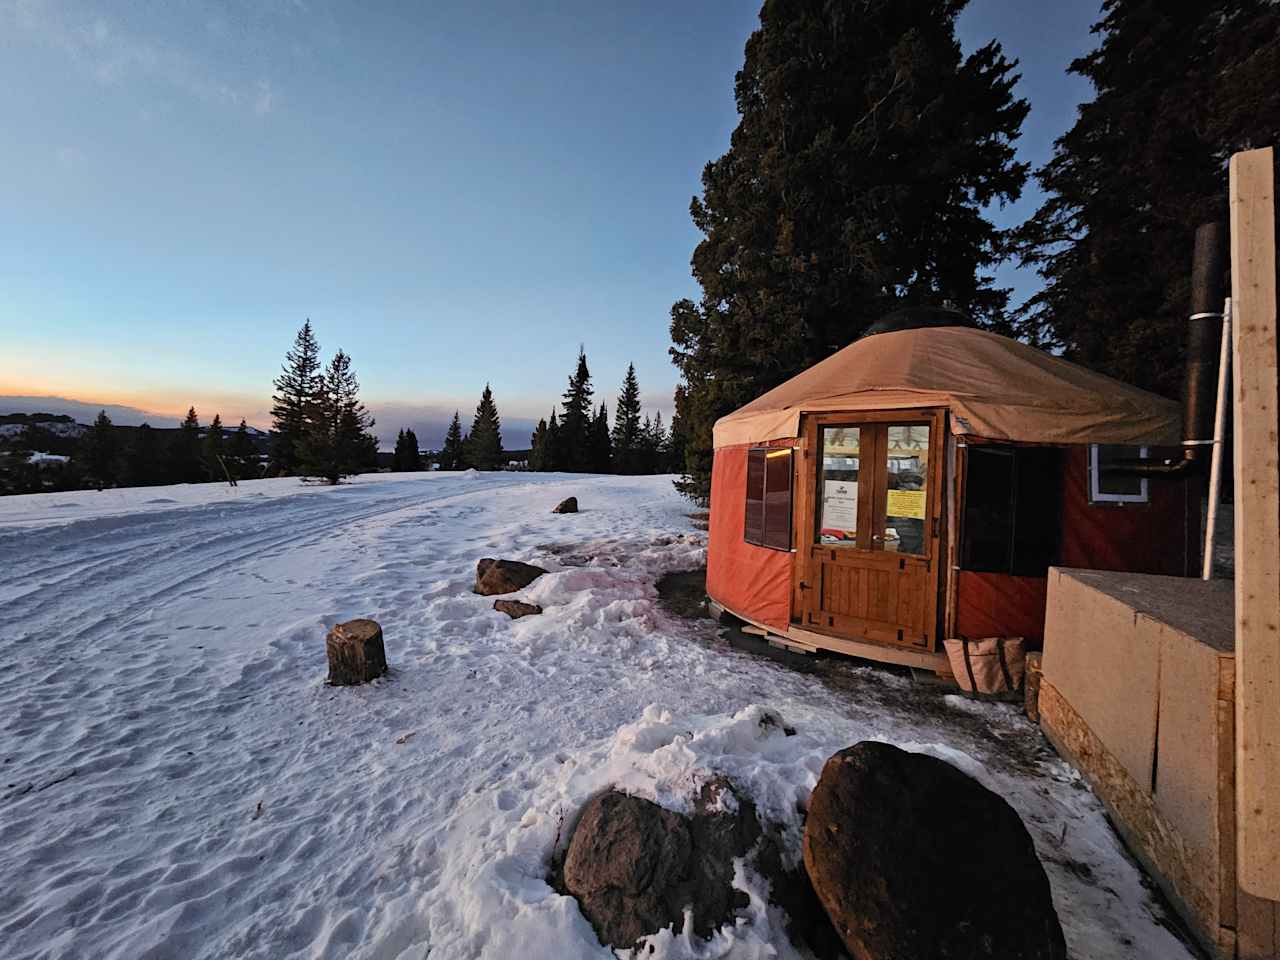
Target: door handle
804 586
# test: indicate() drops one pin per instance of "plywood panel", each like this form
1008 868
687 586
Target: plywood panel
1257 522
1114 684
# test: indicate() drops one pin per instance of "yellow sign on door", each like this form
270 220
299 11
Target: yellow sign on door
906 503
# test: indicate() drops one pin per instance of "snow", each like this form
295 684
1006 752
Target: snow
40 457
178 781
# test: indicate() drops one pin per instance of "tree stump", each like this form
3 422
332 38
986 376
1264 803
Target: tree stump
356 654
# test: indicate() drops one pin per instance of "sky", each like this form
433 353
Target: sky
452 192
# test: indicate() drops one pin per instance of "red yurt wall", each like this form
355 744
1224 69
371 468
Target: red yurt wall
1161 537
753 582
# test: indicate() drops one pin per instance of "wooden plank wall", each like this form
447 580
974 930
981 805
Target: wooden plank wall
1257 522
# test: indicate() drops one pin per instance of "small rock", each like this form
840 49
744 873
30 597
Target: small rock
504 576
567 506
515 609
355 651
912 858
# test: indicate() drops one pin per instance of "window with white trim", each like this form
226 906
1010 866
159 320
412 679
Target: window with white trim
1108 486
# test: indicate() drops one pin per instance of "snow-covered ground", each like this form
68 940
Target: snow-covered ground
176 779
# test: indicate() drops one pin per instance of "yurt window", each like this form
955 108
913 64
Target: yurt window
841 461
1012 523
768 515
1106 486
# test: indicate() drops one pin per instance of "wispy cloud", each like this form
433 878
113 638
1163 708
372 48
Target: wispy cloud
116 57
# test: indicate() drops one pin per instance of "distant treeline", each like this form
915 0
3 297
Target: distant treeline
104 455
577 438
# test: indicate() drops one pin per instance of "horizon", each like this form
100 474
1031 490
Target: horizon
428 187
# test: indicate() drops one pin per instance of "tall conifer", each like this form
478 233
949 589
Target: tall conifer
575 420
1177 88
296 389
451 453
242 454
214 454
101 452
867 149
626 425
338 441
484 445
185 463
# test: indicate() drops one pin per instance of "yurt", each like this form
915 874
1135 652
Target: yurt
918 484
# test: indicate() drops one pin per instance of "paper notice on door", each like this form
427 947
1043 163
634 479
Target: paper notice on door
840 509
906 503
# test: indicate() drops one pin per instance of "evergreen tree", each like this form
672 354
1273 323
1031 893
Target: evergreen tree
1178 88
214 454
406 457
484 443
601 444
575 422
626 425
185 464
142 464
656 445
338 441
100 452
866 150
412 452
242 454
451 454
296 390
676 439
555 456
537 445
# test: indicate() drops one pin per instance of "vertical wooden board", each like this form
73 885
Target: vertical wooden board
1257 523
1256 928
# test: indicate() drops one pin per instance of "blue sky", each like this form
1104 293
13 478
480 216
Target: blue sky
454 192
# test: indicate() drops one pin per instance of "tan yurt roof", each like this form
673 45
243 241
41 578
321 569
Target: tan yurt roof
996 388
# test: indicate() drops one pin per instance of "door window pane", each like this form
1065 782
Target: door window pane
907 453
838 490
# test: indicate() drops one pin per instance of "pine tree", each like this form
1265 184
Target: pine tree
676 439
338 441
406 457
185 464
538 446
214 454
451 454
142 465
656 445
296 389
100 452
242 454
412 453
626 425
601 444
484 444
855 182
1178 87
555 455
575 422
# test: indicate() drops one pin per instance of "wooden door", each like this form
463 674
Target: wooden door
867 542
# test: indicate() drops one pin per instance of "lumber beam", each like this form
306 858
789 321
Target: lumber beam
1257 523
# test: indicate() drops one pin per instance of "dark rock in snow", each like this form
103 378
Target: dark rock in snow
515 609
567 506
355 651
912 858
504 576
634 867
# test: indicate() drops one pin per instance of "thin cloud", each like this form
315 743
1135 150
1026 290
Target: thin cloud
115 57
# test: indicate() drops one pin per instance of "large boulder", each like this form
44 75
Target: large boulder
495 577
634 866
569 505
913 859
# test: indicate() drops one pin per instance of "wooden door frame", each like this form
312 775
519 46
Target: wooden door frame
805 484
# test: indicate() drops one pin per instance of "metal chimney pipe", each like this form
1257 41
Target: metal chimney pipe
1204 336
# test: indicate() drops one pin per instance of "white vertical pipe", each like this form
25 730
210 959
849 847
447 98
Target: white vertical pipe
1219 428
